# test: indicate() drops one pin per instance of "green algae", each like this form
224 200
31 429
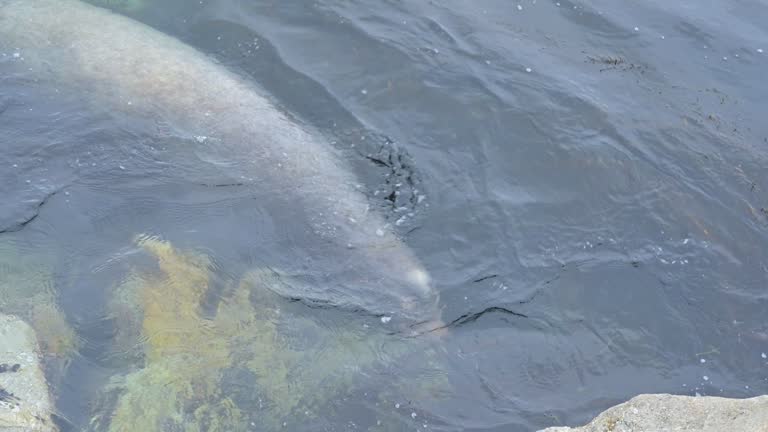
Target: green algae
291 366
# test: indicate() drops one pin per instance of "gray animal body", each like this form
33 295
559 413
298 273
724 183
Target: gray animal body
123 64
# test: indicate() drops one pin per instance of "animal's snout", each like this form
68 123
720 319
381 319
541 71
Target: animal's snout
419 278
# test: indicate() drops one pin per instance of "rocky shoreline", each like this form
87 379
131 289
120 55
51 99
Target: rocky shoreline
25 403
668 413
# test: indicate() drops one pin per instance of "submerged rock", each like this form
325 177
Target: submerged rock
25 403
27 291
664 412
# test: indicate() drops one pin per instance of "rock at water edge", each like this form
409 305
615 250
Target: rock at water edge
664 412
25 403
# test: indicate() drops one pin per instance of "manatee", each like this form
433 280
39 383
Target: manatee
121 64
122 5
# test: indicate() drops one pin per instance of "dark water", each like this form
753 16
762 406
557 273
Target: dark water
596 212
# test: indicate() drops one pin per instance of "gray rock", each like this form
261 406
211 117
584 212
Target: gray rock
25 404
668 413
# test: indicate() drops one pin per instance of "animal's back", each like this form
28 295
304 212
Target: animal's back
131 66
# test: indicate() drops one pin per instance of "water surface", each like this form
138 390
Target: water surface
595 210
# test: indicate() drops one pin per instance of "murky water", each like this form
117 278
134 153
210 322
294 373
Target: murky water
585 182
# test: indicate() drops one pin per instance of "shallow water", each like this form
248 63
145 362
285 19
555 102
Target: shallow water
596 211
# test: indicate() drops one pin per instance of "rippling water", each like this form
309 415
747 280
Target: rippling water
594 211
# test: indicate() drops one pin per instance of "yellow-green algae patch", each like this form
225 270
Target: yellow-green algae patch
182 355
187 352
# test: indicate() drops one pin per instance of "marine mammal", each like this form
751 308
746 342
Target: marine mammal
127 65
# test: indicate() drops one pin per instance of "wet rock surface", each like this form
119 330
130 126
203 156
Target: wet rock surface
25 404
664 412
